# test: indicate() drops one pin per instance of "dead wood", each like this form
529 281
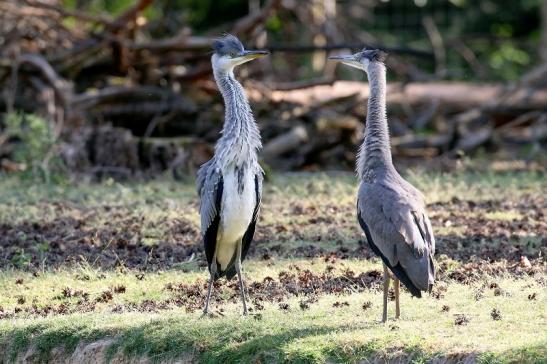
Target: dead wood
138 90
451 96
62 88
286 142
33 7
251 21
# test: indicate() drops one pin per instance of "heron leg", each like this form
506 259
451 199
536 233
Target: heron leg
240 278
397 284
386 291
210 288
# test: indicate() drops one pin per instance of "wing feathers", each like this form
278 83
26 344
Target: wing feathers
248 237
399 229
210 188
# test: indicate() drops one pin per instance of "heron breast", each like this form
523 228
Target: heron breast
238 203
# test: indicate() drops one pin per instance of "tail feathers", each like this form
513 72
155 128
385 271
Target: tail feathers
229 274
400 273
398 270
216 273
230 271
431 272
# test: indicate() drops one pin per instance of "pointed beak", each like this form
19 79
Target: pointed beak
249 55
346 58
352 60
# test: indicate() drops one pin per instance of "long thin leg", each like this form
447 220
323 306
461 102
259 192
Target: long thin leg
386 290
240 278
210 288
397 284
209 291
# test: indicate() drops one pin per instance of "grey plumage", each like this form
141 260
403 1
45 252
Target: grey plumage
227 45
230 184
389 209
394 214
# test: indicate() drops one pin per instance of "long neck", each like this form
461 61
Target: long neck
375 151
240 135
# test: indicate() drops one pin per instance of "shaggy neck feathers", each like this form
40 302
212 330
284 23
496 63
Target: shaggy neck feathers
240 135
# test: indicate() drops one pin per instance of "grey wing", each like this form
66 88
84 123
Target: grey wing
210 188
400 232
415 199
207 182
202 174
426 230
248 237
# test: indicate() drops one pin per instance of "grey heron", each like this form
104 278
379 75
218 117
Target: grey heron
389 209
230 184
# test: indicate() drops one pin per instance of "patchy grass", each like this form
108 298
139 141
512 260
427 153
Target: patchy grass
314 335
123 261
504 215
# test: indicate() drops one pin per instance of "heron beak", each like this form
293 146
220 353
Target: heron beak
250 55
347 58
247 56
351 60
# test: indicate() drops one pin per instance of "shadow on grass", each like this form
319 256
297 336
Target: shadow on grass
216 341
210 341
44 338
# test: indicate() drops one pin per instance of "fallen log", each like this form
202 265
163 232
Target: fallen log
452 97
285 143
473 140
135 94
412 141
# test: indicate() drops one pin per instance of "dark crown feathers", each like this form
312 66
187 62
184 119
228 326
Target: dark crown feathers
227 44
375 55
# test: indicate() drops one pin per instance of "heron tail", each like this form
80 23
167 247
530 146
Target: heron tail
398 270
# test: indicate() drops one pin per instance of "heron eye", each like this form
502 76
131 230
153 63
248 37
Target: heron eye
233 54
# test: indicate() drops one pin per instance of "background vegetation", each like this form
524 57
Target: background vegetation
132 79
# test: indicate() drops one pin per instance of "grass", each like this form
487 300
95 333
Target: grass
314 335
299 211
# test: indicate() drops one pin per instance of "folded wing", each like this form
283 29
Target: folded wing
398 230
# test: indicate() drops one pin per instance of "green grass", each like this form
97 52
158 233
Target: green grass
298 211
314 335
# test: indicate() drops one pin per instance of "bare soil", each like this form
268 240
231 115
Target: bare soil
73 235
519 247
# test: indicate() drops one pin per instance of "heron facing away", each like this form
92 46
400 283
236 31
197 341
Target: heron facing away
389 209
230 184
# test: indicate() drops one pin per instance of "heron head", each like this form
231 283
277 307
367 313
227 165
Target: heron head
229 53
363 59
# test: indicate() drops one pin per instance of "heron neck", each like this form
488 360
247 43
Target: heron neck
240 135
375 151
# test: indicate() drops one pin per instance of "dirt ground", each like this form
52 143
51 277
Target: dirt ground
111 236
487 236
